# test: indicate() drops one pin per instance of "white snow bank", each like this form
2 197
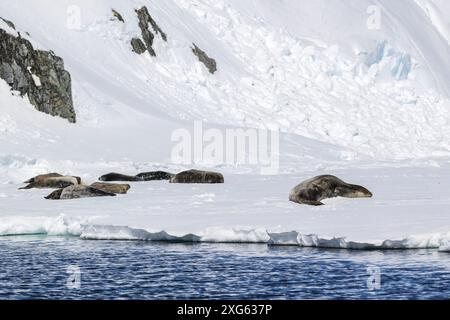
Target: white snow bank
445 246
64 226
53 226
93 232
409 210
293 238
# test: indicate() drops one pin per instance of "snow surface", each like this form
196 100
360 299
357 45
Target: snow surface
371 106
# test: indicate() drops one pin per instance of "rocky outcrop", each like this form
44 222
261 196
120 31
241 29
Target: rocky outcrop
117 15
145 21
38 74
9 23
209 63
138 46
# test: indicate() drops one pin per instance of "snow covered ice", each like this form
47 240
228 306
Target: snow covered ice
370 105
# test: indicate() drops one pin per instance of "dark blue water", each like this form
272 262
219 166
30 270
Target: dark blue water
37 268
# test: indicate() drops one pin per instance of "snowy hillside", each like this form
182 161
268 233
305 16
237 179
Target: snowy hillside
293 65
349 84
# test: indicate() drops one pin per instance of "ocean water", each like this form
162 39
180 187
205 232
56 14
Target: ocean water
35 267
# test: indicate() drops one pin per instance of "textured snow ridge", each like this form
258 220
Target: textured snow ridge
51 226
81 227
126 233
433 241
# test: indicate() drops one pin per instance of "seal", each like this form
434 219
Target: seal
111 187
197 176
145 176
313 191
118 177
78 192
53 182
155 175
43 177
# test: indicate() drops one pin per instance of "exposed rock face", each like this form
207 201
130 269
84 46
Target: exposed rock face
138 46
38 74
145 21
9 23
205 59
118 15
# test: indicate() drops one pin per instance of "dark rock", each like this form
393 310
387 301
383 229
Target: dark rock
9 23
196 176
145 21
209 63
118 15
138 46
38 74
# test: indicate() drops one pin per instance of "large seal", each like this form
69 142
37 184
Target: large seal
43 177
155 175
118 177
112 187
314 190
145 176
51 182
196 176
77 192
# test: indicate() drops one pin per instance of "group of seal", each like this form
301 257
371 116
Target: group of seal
189 176
71 187
309 192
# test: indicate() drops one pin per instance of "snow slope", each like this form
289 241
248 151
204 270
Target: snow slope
347 99
311 68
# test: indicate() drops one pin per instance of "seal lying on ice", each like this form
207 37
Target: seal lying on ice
155 175
52 182
196 176
112 187
43 177
77 192
145 176
314 190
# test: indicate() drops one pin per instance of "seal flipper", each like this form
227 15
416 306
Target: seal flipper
30 186
55 195
313 203
352 191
